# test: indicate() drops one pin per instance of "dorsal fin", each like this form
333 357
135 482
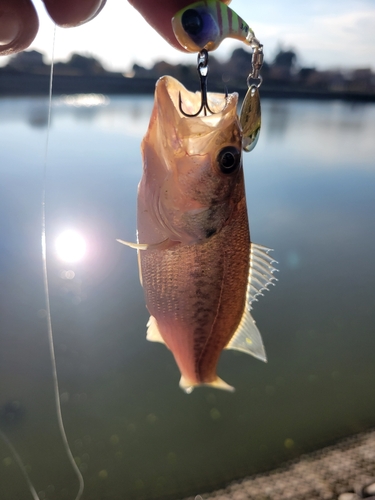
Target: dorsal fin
153 333
260 272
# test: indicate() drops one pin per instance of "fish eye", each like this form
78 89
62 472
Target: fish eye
192 22
229 159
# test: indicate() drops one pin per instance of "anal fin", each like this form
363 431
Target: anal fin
247 338
153 333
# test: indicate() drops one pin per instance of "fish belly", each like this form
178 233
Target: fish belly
197 295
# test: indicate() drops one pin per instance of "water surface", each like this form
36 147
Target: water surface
134 434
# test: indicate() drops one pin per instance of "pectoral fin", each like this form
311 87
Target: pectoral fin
162 245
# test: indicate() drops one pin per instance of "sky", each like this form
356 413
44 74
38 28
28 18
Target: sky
325 34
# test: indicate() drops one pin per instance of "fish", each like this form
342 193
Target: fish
198 267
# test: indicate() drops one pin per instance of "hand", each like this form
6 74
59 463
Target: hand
19 21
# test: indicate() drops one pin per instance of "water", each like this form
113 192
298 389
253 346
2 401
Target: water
134 434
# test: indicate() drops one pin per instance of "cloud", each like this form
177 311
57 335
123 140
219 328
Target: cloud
345 40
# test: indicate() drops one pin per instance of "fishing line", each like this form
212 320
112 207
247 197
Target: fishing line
18 460
46 291
4 438
60 422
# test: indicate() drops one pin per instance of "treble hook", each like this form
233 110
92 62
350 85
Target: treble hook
203 74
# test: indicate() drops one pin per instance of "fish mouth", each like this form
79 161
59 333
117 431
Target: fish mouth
170 93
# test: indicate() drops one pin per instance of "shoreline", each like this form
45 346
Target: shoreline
26 85
343 471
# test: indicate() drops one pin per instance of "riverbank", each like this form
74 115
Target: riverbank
345 471
13 84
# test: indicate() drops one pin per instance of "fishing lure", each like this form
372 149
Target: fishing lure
205 24
201 27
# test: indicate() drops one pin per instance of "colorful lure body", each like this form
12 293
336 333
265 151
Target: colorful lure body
205 24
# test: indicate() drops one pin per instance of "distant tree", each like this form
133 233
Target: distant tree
185 71
265 68
285 59
27 61
238 67
139 71
88 65
240 58
305 73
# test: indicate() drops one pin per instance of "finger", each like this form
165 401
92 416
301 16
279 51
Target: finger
18 25
159 16
68 13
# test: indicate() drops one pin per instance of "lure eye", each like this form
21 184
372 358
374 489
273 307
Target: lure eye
197 28
229 159
192 22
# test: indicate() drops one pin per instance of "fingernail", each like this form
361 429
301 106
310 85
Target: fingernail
98 9
9 27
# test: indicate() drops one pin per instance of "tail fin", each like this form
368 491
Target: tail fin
218 383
